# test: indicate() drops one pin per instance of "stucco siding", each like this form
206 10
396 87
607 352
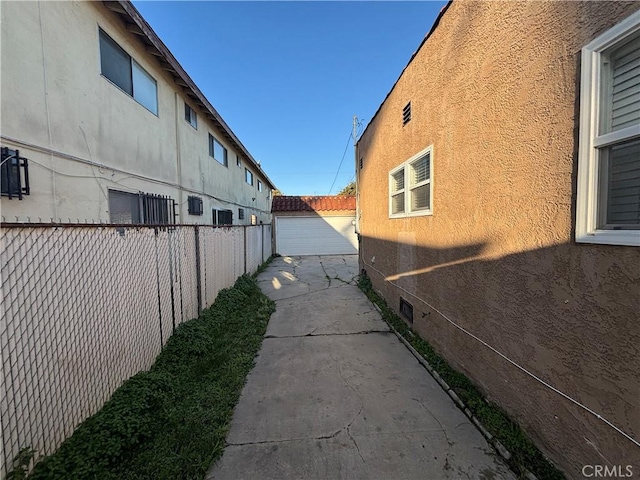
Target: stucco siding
495 91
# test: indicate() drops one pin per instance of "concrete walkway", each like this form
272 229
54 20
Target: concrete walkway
335 395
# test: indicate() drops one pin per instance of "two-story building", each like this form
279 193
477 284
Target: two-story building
100 123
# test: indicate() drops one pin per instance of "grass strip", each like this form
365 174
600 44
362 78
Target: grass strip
171 421
524 454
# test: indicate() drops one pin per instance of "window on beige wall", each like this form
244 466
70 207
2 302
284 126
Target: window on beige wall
410 192
608 200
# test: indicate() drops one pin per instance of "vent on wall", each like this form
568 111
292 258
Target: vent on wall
406 114
406 309
195 205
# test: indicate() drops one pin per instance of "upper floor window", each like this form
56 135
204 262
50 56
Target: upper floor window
248 176
238 161
190 116
259 186
217 151
410 191
124 72
608 200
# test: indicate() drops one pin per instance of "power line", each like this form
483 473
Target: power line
339 166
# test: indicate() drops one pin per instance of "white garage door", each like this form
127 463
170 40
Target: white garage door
316 236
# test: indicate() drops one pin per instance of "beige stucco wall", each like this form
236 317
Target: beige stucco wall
55 99
495 91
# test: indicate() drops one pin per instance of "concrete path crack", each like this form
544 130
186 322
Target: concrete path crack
311 334
310 292
263 442
357 394
356 445
444 430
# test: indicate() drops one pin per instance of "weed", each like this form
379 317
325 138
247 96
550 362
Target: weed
524 454
21 464
264 266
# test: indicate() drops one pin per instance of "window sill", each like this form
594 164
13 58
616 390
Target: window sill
425 213
629 238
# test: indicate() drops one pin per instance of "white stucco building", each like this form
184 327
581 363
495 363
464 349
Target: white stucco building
111 126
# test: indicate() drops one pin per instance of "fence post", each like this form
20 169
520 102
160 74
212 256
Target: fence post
158 284
198 273
170 239
244 228
262 242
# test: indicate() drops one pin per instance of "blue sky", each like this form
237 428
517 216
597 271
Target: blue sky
288 77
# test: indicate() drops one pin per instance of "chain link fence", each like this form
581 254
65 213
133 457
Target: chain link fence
85 307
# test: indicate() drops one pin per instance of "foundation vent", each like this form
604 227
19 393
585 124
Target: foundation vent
406 309
406 114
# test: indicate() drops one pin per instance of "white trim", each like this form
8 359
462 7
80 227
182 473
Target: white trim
587 230
406 191
393 193
628 133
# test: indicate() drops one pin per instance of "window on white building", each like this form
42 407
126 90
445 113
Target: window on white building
248 176
190 116
124 72
217 151
608 195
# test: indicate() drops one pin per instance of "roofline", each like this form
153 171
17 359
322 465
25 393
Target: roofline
424 40
136 24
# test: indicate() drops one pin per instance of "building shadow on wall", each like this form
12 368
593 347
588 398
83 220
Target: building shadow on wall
567 315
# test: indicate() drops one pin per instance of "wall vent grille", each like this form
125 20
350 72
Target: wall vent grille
406 114
406 309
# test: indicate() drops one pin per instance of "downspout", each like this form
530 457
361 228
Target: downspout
355 154
46 106
178 163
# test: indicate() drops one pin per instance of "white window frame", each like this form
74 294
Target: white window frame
248 176
588 186
259 185
408 187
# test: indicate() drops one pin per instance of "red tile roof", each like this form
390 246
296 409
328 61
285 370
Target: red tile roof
284 203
